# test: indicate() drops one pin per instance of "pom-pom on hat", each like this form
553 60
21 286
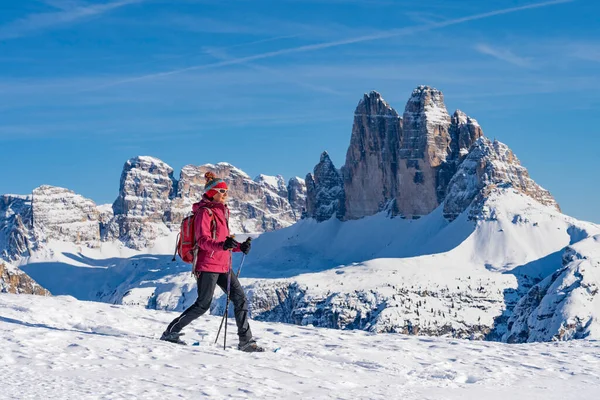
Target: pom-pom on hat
212 183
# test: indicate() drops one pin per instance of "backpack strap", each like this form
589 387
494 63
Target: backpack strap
213 222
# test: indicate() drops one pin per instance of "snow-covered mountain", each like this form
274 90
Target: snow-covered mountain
427 276
16 226
150 206
429 228
565 304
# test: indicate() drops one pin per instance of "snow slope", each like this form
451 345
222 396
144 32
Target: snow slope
510 229
58 347
565 305
426 276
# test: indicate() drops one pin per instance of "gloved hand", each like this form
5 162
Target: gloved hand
245 246
230 243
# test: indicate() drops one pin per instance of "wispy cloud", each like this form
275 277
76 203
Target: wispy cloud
585 51
220 54
343 42
422 17
504 55
260 41
64 4
70 12
194 23
252 25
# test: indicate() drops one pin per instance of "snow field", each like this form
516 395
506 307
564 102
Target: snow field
58 347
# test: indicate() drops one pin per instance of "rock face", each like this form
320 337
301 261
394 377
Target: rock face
489 164
13 280
404 164
464 131
412 165
424 150
151 204
565 305
325 191
60 214
297 196
16 227
145 192
189 191
50 213
256 205
371 171
275 199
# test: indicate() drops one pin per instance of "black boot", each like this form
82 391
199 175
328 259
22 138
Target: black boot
250 347
172 337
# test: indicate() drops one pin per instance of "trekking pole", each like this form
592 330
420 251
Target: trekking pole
242 263
226 304
228 286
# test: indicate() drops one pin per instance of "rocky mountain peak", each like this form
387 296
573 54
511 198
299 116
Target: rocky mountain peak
324 191
27 223
428 103
393 159
326 160
256 205
145 178
407 163
16 226
296 180
464 131
61 214
371 168
274 183
297 196
460 118
145 191
426 123
372 105
490 164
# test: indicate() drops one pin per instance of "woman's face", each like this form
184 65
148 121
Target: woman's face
221 196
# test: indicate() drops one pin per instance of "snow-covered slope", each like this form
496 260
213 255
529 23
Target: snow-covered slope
60 348
566 304
427 276
423 276
508 229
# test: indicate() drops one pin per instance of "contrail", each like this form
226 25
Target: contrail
40 21
326 45
220 54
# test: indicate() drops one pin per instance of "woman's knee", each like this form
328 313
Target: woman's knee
202 305
240 302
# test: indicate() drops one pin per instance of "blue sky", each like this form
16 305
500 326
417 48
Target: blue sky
269 85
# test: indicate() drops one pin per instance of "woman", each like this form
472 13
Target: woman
213 263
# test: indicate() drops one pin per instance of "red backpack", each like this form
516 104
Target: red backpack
186 239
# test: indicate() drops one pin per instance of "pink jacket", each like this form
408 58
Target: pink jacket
211 256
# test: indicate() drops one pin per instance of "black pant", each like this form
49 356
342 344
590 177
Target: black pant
207 282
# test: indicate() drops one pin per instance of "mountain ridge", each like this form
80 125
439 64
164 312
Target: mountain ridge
429 228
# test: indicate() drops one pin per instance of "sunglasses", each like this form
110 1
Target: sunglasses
222 191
